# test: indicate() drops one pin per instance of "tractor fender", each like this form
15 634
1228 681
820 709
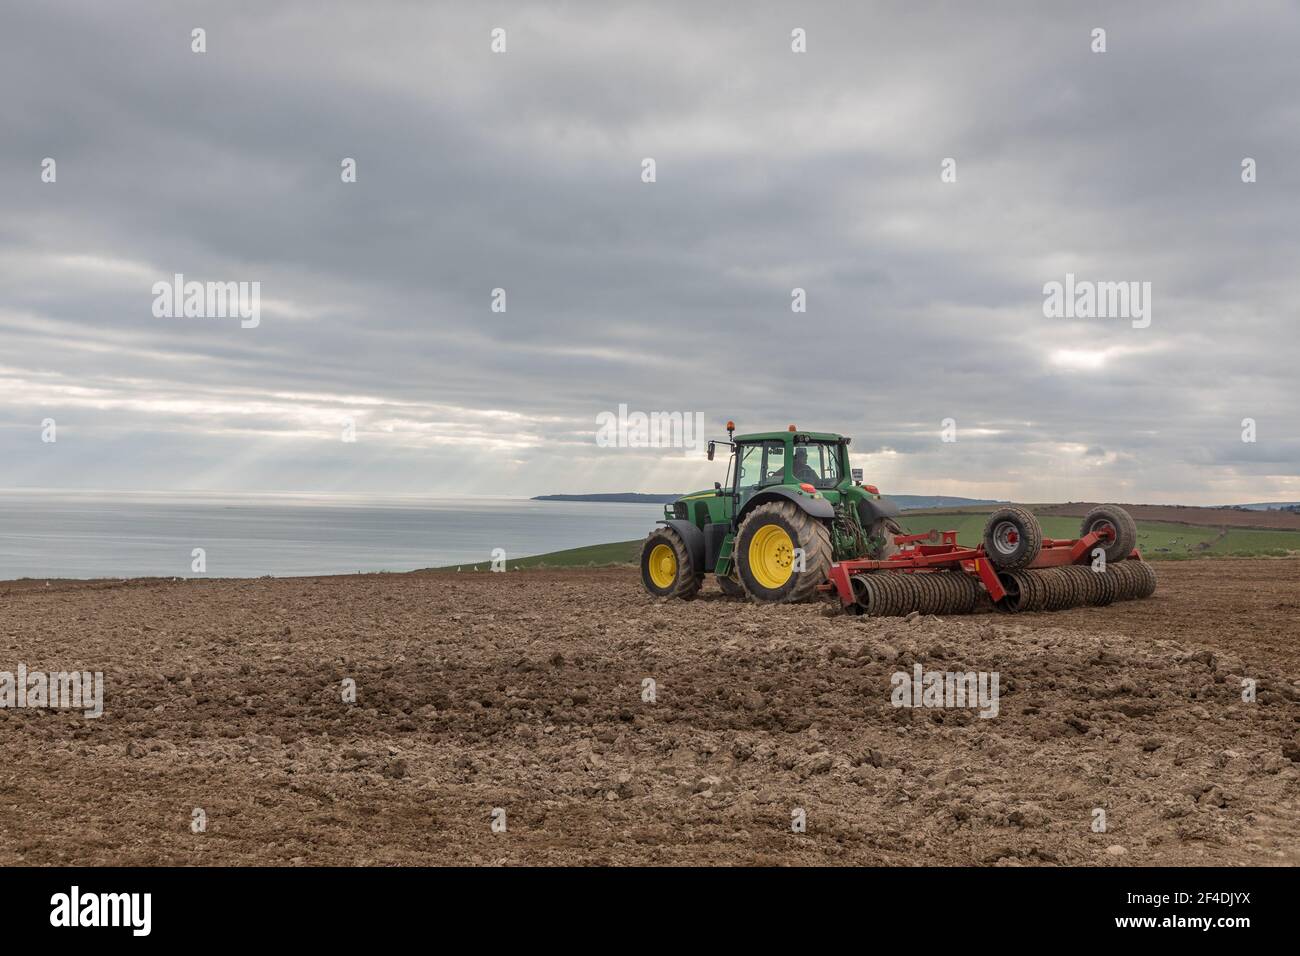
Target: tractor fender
870 510
692 536
817 507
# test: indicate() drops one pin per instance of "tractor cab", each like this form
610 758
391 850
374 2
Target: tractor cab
794 459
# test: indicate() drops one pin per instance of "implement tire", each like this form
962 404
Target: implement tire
1121 522
1012 538
666 568
765 553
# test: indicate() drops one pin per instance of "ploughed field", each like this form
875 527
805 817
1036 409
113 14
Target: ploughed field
525 691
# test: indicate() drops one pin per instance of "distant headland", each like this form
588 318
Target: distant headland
628 497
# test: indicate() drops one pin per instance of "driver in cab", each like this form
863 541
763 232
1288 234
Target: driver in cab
802 471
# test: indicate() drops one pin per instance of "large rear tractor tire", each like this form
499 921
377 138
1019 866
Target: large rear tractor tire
666 568
1012 538
1121 545
767 553
883 531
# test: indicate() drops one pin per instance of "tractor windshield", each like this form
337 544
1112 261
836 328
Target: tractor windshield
817 463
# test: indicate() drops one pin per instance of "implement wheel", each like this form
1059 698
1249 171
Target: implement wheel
666 569
1120 522
1012 538
767 553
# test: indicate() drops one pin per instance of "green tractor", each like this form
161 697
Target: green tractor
789 507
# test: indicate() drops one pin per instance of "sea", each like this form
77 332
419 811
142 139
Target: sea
50 534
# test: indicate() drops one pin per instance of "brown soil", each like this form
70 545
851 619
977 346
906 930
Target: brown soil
523 691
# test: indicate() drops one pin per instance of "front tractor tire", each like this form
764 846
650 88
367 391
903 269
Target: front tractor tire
666 567
766 553
731 587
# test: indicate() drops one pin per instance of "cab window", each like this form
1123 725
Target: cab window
817 463
761 463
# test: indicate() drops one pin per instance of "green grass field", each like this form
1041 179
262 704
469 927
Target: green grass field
1157 540
1247 542
595 556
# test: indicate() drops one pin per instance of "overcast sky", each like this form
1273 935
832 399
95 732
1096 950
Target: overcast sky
774 170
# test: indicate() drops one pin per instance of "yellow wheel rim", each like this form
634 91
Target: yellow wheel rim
663 566
771 556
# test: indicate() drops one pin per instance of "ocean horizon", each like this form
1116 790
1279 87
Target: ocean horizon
107 534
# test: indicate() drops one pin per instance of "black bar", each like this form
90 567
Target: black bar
622 906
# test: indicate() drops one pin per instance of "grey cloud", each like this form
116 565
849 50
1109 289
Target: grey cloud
775 171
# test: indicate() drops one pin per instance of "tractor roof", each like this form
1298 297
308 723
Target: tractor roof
786 433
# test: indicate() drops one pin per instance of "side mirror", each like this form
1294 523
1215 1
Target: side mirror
717 487
710 451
